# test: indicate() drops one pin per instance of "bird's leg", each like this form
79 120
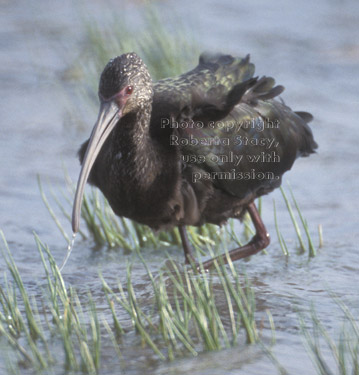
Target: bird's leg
186 245
257 243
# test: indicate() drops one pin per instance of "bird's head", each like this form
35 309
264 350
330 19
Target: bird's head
125 87
126 82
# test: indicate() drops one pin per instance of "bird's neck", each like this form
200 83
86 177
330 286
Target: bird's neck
138 154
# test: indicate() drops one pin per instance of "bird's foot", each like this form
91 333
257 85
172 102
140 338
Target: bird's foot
259 242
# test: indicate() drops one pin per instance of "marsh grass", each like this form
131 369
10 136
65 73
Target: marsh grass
302 240
29 328
187 314
343 357
191 313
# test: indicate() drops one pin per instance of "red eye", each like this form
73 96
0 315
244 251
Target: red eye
129 90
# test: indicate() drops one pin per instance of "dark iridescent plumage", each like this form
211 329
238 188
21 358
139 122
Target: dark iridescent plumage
191 149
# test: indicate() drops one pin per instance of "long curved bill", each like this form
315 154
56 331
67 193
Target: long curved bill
108 117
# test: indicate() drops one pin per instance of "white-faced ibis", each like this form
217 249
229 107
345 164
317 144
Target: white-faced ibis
190 150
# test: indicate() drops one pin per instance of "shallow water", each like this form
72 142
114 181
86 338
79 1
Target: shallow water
310 48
